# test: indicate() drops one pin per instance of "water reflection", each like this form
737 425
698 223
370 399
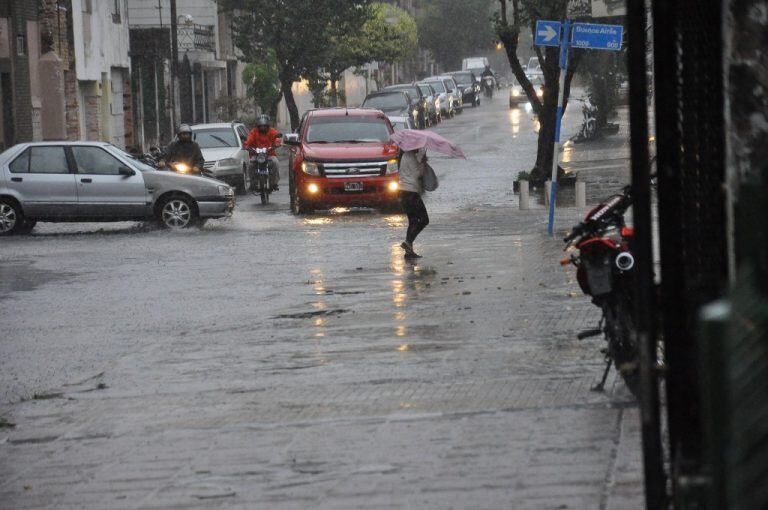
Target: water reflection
514 117
318 221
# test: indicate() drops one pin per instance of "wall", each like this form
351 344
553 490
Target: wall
145 12
108 43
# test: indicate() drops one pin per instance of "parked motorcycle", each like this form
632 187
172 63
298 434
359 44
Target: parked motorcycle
602 254
588 129
258 171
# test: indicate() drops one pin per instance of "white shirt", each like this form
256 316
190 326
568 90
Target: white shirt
412 166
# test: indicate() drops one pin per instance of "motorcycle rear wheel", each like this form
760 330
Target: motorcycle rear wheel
621 347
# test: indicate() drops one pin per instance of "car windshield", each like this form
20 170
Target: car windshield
411 89
216 138
386 101
142 167
438 86
347 129
533 63
463 78
425 90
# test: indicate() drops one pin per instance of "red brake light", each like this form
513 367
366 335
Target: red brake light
627 232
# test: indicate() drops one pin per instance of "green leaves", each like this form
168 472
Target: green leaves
438 22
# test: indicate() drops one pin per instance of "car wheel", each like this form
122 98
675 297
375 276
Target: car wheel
177 212
245 183
298 206
11 217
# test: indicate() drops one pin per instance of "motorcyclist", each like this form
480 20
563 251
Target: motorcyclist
488 72
184 150
265 136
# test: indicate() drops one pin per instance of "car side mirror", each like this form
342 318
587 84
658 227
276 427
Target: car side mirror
291 139
126 172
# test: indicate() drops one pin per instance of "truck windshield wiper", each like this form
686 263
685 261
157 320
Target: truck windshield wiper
348 141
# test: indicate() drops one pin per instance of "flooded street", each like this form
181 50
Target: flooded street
274 361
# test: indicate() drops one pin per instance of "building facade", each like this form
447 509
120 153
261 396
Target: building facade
208 69
19 48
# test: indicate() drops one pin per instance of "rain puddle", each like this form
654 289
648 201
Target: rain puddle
22 276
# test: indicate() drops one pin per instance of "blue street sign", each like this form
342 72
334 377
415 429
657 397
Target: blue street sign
547 33
597 37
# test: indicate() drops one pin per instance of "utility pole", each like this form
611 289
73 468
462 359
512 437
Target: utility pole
174 64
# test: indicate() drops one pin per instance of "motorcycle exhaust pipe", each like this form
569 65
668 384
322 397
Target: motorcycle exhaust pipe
625 261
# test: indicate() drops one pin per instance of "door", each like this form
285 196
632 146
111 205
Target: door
104 193
42 178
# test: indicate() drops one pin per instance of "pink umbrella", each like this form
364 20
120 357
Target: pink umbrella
410 139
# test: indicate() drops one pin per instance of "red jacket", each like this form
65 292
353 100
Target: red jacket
257 140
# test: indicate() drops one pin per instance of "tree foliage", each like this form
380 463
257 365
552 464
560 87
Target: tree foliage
262 79
437 24
296 32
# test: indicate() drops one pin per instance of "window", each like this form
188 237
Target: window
93 160
116 12
21 45
48 160
20 165
243 133
386 101
347 129
215 138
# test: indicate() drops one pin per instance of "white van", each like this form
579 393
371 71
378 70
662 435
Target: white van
474 63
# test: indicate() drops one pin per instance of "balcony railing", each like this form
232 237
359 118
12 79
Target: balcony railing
196 37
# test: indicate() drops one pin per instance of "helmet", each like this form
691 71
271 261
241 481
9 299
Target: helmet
184 128
263 120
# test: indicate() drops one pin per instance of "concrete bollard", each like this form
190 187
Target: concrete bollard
547 192
524 194
581 194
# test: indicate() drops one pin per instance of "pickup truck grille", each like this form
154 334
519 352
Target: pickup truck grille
354 169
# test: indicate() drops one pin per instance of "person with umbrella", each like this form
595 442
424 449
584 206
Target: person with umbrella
414 171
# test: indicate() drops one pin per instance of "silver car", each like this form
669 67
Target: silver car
223 147
95 181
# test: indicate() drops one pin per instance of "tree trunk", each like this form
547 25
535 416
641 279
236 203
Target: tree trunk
274 105
334 89
286 83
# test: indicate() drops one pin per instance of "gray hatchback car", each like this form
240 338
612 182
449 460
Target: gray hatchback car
94 181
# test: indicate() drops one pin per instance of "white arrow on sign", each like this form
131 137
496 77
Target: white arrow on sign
548 33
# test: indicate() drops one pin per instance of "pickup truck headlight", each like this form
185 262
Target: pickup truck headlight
225 191
392 166
310 168
227 162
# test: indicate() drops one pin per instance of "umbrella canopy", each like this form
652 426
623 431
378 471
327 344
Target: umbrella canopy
410 140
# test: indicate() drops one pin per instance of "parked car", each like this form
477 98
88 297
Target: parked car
94 181
343 157
400 123
226 158
446 99
391 102
468 84
433 102
454 91
517 95
418 103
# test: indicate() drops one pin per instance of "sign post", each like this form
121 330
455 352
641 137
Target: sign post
589 36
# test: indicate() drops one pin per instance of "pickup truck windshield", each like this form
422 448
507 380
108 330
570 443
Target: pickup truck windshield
386 101
463 78
347 129
216 138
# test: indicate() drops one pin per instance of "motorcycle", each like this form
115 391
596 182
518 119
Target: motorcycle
601 248
259 174
488 86
588 129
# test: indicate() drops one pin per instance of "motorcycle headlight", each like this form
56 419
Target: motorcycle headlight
415 113
182 168
227 162
225 191
392 166
310 168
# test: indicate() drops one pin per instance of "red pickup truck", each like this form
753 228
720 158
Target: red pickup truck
342 157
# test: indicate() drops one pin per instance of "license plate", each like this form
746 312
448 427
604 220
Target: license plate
353 186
